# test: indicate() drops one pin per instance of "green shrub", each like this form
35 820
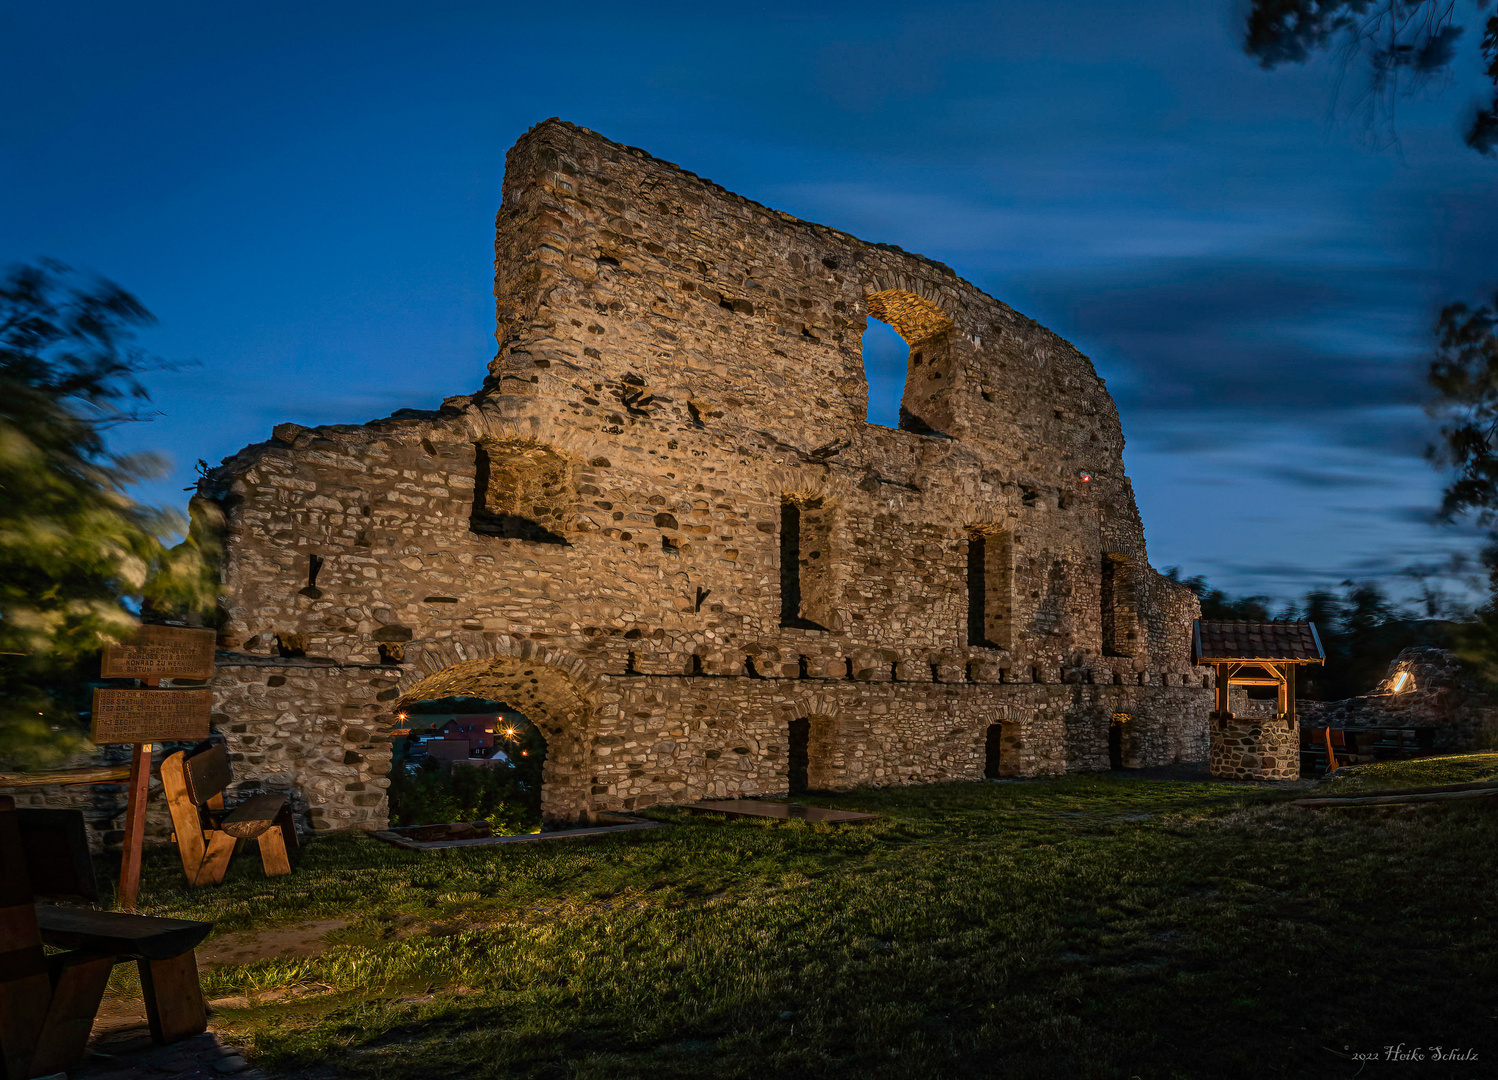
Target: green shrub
506 794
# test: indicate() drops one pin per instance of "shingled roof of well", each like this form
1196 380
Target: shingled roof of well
1288 641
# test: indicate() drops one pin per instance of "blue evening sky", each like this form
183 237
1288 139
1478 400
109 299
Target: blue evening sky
304 195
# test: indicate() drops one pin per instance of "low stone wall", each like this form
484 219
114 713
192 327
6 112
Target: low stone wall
1254 748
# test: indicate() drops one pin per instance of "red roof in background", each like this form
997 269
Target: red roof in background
1291 642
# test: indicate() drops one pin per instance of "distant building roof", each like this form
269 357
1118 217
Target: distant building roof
1287 642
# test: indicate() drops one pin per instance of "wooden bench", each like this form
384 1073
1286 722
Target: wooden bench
48 1003
206 834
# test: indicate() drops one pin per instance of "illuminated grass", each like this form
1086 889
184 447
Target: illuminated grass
1086 927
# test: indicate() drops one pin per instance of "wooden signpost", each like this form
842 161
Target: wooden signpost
149 715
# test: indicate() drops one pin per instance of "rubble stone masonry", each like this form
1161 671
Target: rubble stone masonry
664 530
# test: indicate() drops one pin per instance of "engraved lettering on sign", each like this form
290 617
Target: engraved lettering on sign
138 716
161 652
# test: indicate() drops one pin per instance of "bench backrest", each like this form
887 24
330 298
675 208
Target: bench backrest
55 846
207 772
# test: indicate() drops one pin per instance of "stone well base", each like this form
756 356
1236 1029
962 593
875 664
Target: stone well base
1254 747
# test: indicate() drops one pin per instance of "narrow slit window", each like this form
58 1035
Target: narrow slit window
1120 608
990 589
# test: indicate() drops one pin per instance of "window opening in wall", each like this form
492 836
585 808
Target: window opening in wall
885 359
906 359
521 491
1116 731
1120 614
799 738
990 589
314 567
805 564
993 752
466 760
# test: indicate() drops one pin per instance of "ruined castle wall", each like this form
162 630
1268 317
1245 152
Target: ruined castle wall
676 364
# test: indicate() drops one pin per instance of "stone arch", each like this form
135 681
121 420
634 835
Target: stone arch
931 369
947 299
914 318
551 690
507 418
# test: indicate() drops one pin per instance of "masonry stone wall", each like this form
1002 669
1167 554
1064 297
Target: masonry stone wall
1254 747
598 534
1424 687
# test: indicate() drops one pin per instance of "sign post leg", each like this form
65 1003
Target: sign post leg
135 824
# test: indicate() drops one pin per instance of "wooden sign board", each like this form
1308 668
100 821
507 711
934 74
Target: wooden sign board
148 716
162 652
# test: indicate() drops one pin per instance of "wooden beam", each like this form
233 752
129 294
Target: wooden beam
93 774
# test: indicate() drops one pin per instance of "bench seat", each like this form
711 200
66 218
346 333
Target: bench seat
119 934
253 816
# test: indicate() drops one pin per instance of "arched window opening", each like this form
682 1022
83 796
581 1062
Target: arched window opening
466 761
885 358
923 330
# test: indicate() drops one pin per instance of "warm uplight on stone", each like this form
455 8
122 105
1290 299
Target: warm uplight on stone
664 532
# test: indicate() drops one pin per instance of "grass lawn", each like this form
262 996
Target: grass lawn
1083 927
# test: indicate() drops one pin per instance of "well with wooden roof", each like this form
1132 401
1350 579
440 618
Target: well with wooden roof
1255 654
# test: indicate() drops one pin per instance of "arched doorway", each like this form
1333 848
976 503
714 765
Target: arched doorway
797 757
809 758
993 752
546 695
1118 733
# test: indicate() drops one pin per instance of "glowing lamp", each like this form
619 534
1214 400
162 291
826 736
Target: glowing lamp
1399 683
1085 477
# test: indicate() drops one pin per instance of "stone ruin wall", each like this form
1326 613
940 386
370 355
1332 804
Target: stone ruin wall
597 535
1443 693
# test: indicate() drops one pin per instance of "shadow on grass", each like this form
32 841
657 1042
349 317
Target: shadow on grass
1079 927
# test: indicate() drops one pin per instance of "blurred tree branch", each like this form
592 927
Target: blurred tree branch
1404 43
78 556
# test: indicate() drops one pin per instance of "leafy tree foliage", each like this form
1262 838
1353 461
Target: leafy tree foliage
78 557
1464 375
1404 44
